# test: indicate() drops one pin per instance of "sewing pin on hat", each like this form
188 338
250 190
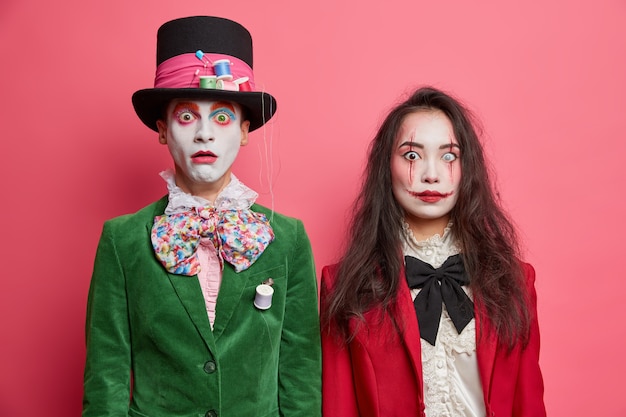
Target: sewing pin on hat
204 80
264 293
200 56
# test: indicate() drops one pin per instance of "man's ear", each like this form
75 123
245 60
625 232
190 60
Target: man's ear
162 126
245 127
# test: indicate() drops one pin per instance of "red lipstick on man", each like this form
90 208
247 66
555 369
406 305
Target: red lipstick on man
203 157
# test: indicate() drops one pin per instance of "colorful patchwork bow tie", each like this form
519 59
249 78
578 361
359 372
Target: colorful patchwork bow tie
239 236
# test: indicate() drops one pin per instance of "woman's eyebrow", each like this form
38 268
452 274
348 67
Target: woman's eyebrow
450 146
421 146
411 144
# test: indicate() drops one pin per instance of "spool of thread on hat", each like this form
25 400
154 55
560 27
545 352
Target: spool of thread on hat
227 85
222 69
243 83
208 81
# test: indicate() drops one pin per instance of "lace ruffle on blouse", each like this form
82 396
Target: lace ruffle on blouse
452 384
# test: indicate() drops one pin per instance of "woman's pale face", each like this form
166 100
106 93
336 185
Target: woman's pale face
203 138
426 171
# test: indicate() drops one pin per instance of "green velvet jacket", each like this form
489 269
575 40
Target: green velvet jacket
143 321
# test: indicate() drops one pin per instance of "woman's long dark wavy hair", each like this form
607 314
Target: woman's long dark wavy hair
369 271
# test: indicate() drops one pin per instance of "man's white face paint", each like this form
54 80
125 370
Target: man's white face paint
203 138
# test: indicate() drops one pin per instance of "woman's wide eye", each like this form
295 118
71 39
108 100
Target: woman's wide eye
411 156
222 118
449 157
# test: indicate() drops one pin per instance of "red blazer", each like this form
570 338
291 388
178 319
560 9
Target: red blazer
379 374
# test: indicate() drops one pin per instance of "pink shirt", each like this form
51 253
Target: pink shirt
210 276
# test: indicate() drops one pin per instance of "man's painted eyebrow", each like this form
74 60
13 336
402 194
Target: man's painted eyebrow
421 146
222 104
186 104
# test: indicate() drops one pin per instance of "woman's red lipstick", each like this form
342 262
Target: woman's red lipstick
430 196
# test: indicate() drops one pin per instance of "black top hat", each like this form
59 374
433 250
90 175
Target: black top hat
204 57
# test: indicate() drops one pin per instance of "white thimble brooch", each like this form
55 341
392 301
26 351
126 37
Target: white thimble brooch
264 293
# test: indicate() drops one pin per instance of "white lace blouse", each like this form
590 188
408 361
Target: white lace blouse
452 384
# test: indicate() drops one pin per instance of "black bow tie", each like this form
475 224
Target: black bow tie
439 285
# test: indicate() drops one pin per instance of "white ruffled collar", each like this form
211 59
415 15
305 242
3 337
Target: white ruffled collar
235 195
435 240
434 250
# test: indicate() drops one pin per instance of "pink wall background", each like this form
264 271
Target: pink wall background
546 78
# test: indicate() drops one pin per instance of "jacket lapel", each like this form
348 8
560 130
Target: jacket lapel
231 289
486 345
189 293
411 334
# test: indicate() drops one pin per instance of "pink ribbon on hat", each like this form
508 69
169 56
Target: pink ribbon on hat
182 71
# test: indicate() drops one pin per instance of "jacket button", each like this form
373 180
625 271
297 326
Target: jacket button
209 368
211 413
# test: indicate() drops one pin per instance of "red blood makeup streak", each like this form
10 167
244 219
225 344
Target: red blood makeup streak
411 162
450 167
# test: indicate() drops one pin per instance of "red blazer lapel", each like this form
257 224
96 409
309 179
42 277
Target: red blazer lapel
486 346
411 333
